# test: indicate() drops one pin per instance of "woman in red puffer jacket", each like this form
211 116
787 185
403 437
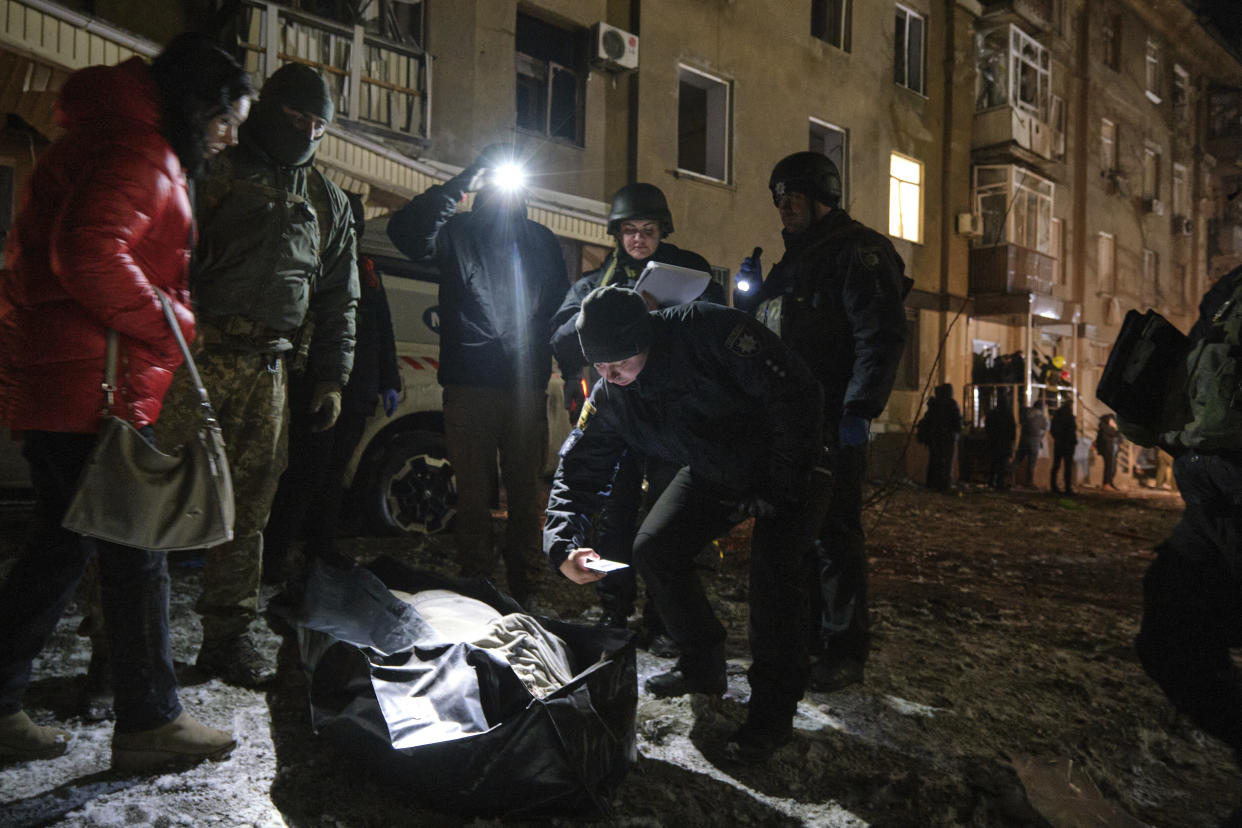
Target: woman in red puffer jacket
105 223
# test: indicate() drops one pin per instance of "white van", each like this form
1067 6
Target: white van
399 480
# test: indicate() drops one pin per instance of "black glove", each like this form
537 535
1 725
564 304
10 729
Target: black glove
467 181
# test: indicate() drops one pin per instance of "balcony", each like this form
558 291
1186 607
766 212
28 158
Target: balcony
1011 280
1005 128
380 86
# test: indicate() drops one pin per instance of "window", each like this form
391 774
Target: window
1056 120
703 124
1151 273
1058 251
1016 206
1181 87
1112 41
992 75
830 21
905 198
907 378
1154 78
1180 203
833 142
551 73
1108 145
908 49
1106 264
1151 172
1031 73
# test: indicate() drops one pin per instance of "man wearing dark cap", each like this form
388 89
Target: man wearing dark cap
640 221
835 298
501 278
710 389
274 273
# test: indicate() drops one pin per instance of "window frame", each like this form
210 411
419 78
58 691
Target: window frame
903 50
1021 190
1178 181
1022 66
1151 268
1180 92
896 230
1153 73
1111 32
1152 161
1108 144
822 12
551 71
1106 279
726 150
843 164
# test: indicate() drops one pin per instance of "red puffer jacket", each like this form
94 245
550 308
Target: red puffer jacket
104 221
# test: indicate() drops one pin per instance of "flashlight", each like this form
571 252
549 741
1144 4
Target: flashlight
509 177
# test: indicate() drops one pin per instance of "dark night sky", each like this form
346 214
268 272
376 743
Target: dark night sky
1226 15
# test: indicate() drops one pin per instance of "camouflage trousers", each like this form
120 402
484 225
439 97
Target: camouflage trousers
248 393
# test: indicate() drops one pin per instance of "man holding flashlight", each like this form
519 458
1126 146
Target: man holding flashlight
501 278
835 298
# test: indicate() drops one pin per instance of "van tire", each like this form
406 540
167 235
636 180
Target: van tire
410 487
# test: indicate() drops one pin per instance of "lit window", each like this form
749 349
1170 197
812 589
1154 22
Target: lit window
908 54
1108 145
833 142
702 124
1154 79
830 21
550 79
905 198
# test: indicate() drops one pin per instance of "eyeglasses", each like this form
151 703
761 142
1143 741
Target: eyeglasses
310 124
647 231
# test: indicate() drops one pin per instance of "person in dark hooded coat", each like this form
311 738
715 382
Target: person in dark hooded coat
939 430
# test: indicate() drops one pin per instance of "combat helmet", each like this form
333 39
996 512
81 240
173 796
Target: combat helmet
810 173
640 202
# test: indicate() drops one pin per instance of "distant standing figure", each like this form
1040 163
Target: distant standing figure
1031 437
1000 429
1107 442
1064 440
939 430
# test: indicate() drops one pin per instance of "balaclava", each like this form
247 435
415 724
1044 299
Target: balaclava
297 87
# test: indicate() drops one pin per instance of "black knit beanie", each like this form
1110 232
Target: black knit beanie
299 87
613 325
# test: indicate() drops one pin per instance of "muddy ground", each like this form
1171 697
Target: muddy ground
1003 691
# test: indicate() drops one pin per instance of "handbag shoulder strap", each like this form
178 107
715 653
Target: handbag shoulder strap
208 413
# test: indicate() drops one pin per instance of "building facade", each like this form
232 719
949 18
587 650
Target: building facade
1042 166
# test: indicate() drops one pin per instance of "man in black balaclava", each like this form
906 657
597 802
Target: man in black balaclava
501 278
274 274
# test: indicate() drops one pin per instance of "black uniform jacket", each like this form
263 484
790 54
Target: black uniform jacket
501 279
719 393
843 286
617 269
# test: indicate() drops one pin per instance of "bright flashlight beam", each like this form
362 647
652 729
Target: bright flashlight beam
509 177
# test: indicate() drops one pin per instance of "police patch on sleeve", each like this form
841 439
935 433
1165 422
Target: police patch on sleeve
588 411
742 341
869 257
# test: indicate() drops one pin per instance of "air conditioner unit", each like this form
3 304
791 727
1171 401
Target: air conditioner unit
1154 206
615 49
969 224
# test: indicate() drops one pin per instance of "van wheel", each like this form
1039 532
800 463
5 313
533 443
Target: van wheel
412 489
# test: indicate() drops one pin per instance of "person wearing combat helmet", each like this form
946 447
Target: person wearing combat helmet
835 298
640 221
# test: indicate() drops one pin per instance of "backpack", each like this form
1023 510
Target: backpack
1172 392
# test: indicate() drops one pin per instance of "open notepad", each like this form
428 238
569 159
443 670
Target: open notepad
670 284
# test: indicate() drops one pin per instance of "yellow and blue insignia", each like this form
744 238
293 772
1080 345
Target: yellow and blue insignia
869 258
742 341
588 411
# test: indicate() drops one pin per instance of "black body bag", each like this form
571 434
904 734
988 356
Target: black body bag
1145 374
453 722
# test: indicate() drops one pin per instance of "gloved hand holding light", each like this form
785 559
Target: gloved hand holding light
750 274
